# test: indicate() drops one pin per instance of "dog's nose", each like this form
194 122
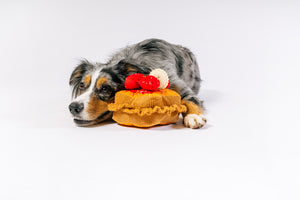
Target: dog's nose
76 108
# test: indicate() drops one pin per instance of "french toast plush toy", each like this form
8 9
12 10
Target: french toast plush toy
147 101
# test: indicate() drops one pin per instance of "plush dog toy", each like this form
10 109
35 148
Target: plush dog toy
147 101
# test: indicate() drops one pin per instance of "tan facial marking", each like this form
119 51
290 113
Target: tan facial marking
100 82
87 80
96 107
130 68
192 108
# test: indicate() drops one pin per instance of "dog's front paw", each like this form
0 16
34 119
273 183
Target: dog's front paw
194 121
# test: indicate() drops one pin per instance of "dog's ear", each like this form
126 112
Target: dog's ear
79 71
78 74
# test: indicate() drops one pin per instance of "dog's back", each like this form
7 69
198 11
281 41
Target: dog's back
179 62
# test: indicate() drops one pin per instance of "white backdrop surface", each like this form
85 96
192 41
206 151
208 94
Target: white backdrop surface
248 52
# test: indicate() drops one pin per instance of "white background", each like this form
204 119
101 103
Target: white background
248 52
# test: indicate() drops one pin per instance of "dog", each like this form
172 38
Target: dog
95 84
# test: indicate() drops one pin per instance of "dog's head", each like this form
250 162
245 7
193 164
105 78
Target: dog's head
94 87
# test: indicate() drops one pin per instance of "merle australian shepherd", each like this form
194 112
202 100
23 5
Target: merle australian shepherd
95 84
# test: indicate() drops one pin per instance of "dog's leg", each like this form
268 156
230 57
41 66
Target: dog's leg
194 117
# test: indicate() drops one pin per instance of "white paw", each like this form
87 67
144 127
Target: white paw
194 121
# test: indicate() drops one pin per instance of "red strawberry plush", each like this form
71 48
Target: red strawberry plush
132 81
149 83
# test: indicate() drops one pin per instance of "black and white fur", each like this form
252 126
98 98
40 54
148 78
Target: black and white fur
179 63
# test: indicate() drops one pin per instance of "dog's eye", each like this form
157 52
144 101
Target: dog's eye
105 88
81 86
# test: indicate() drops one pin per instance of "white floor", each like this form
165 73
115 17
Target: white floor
248 54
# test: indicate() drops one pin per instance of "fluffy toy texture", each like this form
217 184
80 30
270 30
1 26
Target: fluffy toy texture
162 76
136 81
132 81
147 102
145 109
149 83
